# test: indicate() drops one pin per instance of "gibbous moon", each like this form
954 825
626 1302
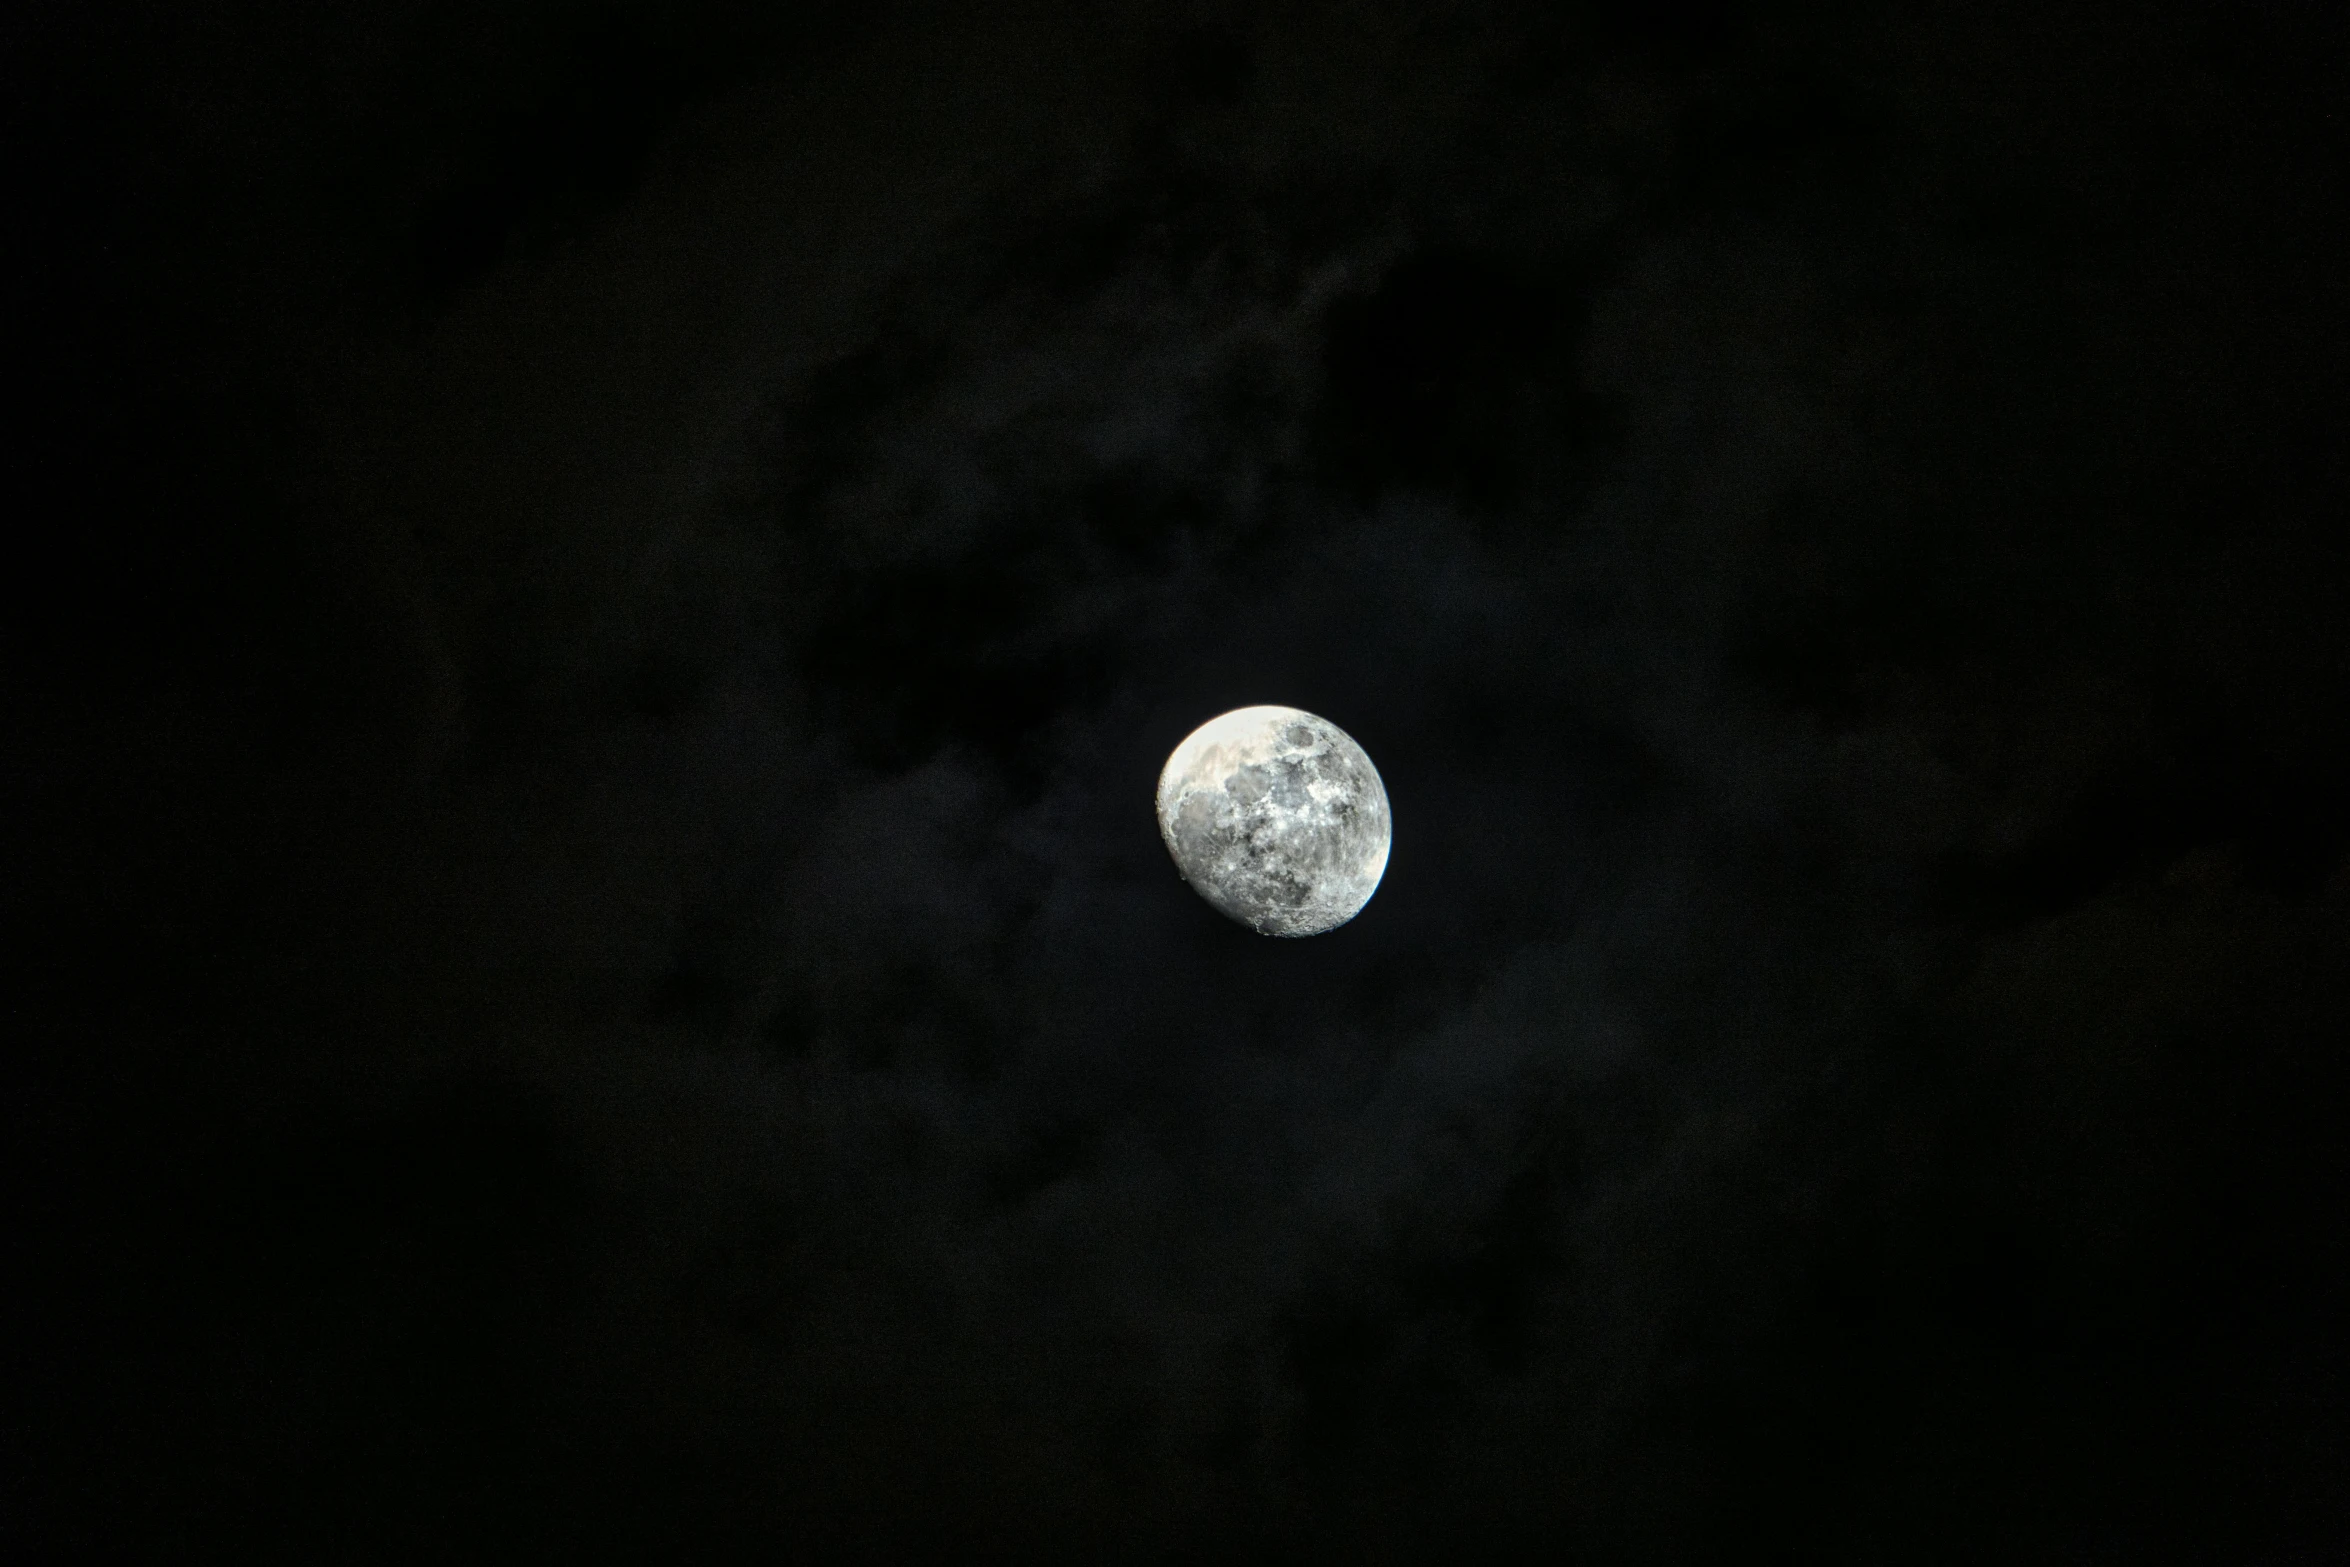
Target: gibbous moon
1277 818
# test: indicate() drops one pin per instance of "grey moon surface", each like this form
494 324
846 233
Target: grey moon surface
1277 818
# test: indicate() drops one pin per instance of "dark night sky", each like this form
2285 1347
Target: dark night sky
598 591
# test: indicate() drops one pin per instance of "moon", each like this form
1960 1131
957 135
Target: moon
1277 818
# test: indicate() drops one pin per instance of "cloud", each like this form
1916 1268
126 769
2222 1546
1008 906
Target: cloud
755 1052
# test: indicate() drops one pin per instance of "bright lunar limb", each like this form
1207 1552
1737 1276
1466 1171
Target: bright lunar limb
1277 818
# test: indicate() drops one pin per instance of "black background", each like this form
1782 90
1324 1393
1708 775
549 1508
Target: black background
596 593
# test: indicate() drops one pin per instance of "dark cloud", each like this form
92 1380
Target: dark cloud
648 1010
